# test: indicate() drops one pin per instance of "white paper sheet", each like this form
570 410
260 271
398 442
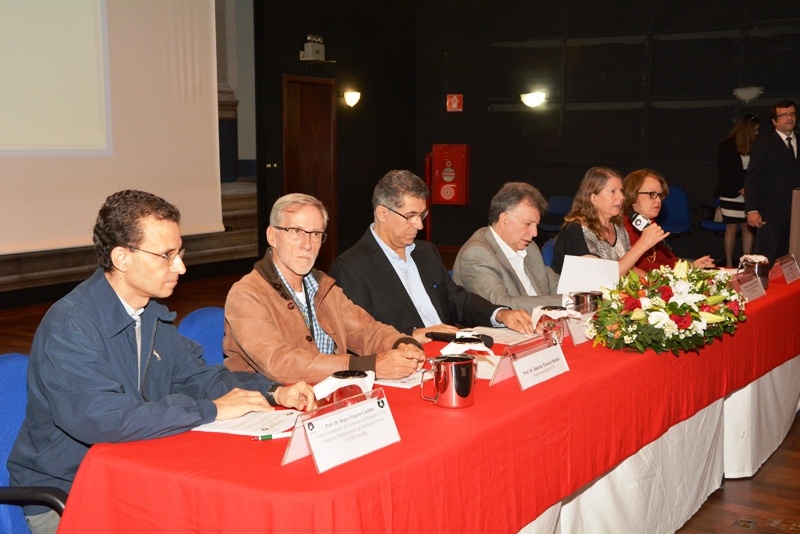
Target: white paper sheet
411 381
502 336
254 423
587 274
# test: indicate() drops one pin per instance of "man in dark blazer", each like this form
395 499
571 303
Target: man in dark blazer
401 281
771 175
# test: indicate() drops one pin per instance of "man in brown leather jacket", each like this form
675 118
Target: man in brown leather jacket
290 322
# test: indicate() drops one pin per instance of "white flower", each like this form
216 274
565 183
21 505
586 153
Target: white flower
659 319
699 326
681 294
646 303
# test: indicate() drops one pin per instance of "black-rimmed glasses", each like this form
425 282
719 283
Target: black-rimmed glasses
412 218
169 257
296 234
654 194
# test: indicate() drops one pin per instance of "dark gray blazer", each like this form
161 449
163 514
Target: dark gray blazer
367 278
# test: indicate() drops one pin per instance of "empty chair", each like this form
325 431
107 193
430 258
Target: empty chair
547 251
557 207
707 221
13 398
207 327
675 216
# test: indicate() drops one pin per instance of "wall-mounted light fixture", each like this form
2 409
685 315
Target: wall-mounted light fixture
747 94
351 98
534 99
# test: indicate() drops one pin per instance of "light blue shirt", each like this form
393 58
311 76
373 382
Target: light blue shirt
136 315
409 275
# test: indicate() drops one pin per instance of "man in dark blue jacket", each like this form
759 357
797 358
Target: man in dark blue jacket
108 366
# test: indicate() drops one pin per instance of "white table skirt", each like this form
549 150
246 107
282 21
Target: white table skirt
660 487
656 490
758 417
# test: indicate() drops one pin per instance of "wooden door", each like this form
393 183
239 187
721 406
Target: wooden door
309 148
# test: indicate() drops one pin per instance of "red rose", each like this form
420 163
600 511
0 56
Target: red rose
631 304
683 321
734 307
705 308
666 293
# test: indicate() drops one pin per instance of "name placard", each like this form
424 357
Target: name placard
577 327
540 366
749 285
788 265
349 429
531 364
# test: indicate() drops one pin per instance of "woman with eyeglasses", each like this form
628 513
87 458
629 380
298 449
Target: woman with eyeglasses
733 157
594 226
644 191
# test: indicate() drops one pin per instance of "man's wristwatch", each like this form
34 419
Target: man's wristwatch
271 395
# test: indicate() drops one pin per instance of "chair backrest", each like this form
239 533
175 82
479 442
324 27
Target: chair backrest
207 327
559 205
13 398
676 216
547 251
706 218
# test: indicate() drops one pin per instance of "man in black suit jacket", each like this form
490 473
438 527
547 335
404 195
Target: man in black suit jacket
427 299
771 175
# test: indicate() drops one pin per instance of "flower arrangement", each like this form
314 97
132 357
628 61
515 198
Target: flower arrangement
668 309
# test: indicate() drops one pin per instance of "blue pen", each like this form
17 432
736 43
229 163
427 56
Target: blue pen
272 436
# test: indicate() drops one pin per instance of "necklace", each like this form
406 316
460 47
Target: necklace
652 257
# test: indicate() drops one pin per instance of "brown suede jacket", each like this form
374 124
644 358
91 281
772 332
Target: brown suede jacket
265 332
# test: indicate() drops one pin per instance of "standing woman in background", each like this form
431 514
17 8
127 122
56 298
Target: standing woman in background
733 156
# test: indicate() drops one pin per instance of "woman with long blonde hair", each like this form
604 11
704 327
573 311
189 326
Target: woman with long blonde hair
594 226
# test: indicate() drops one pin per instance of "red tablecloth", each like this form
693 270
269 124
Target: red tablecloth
492 467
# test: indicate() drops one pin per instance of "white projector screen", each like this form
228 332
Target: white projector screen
101 96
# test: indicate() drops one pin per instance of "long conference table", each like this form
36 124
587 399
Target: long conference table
538 460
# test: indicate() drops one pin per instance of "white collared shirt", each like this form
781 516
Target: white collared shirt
517 260
794 140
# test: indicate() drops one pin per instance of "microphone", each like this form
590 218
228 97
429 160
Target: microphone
639 221
451 338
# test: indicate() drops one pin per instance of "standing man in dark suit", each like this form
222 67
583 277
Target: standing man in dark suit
772 174
401 281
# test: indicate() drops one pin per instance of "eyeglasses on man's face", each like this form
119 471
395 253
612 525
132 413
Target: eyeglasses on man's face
654 194
169 257
411 218
296 234
786 115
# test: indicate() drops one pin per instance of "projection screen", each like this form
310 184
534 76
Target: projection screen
100 96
